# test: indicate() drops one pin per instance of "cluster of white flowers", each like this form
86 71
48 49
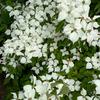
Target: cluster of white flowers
93 62
42 88
73 85
45 89
28 32
33 26
29 92
78 23
76 54
67 65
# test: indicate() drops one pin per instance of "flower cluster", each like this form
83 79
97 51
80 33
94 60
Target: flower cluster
78 24
43 90
93 62
47 64
28 31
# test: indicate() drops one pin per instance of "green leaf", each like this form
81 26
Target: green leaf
75 95
10 2
6 81
65 89
8 96
58 55
62 73
65 97
60 25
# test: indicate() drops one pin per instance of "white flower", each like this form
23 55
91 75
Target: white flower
41 88
52 56
33 79
87 2
18 53
86 9
43 97
54 75
75 12
65 67
62 15
71 64
83 92
9 8
71 81
80 98
73 51
57 69
67 29
96 16
67 70
12 76
27 88
84 24
11 50
97 83
89 98
53 97
48 77
29 92
14 95
73 37
64 62
8 32
31 1
97 90
77 87
94 43
50 69
71 87
23 60
43 78
89 66
95 24
88 59
77 24
20 95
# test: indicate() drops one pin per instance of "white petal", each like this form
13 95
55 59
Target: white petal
27 87
89 66
23 60
83 92
62 15
74 37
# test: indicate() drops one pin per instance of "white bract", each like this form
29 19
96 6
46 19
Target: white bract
93 62
29 92
88 66
83 92
97 83
23 60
